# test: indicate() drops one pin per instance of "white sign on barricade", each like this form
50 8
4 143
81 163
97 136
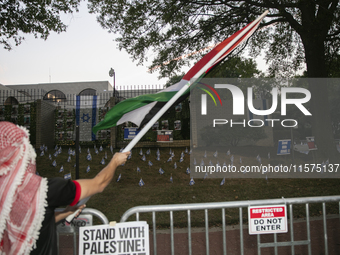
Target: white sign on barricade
267 219
130 238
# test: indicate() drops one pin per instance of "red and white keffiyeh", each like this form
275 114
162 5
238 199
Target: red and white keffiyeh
22 192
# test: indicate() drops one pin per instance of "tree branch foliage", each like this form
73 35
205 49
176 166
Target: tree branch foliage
168 29
37 17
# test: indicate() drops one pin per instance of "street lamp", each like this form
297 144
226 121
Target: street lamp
113 74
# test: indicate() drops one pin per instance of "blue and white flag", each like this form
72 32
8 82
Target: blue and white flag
228 152
105 155
205 154
175 165
157 152
130 155
61 169
161 171
141 152
49 157
88 150
148 152
171 180
169 159
187 171
192 182
42 153
170 152
56 147
102 161
205 176
138 169
54 163
195 161
182 154
141 183
79 149
96 151
215 154
45 148
150 163
210 163
232 159
144 158
111 149
119 177
158 158
88 169
190 151
86 116
67 176
73 153
186 150
101 148
258 158
222 182
69 152
202 163
181 160
89 157
69 159
56 154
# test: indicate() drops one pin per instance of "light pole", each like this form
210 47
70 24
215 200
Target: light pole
113 74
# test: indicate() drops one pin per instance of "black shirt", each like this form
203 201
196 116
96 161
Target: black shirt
60 192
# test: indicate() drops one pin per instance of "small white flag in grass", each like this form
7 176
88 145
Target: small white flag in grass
195 161
182 154
150 163
138 169
96 151
88 169
161 171
144 158
190 151
175 165
89 157
228 152
130 155
111 149
210 163
54 163
169 159
222 182
205 176
88 150
101 148
119 177
202 163
56 154
69 152
232 159
171 180
42 153
157 152
158 158
188 170
181 160
102 161
61 169
49 157
192 182
205 154
215 154
170 151
141 183
141 152
69 159
148 152
186 150
67 176
56 147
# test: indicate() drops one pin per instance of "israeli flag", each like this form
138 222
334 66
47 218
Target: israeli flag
141 152
79 149
169 159
130 155
67 176
56 147
161 171
202 163
181 160
105 155
101 148
186 150
42 153
45 148
138 169
205 176
141 183
192 182
88 150
96 151
170 151
54 163
69 152
69 159
228 152
258 158
86 116
210 163
171 180
224 164
73 152
172 154
188 170
102 161
89 157
190 151
42 147
148 152
111 149
175 165
49 157
56 154
150 163
61 169
222 182
88 169
157 152
144 158
195 161
182 154
205 154
215 154
119 177
158 158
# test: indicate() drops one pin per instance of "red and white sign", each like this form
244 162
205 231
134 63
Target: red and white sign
267 219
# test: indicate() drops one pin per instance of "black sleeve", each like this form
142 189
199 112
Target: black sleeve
61 192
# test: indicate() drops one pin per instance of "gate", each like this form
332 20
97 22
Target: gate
223 206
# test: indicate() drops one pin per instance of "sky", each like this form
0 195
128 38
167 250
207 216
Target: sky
85 52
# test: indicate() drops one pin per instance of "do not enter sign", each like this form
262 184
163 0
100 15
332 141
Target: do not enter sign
267 219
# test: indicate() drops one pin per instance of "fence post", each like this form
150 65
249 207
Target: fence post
113 129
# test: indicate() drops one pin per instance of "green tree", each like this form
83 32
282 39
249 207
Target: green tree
302 32
37 17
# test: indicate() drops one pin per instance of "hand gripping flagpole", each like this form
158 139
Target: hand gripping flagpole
159 114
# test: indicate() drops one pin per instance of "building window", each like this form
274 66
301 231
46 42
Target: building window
11 101
55 96
88 92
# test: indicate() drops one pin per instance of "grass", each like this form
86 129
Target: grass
118 197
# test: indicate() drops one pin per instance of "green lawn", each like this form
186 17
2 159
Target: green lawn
118 197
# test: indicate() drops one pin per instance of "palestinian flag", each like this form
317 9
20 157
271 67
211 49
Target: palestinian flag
139 110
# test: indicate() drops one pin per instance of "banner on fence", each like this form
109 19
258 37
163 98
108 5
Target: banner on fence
267 219
164 136
283 147
124 238
130 132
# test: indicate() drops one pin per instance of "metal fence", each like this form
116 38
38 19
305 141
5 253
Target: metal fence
240 205
74 229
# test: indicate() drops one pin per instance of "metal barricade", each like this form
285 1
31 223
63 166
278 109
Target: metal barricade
240 205
84 219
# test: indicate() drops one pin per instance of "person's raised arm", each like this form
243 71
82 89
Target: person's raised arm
96 185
